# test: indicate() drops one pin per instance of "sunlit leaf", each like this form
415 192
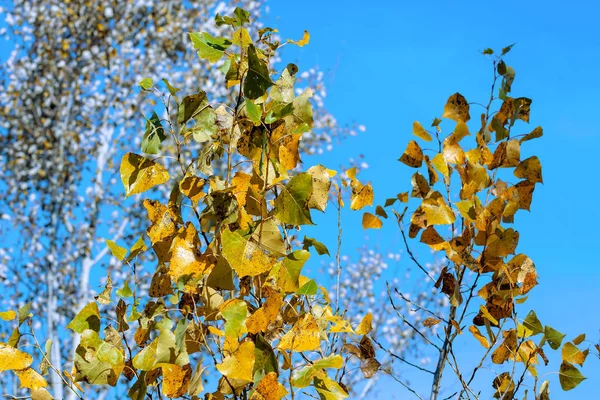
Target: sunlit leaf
370 221
30 379
8 315
146 83
87 318
176 379
530 169
139 174
240 364
235 312
292 204
572 354
266 314
482 339
302 42
457 108
116 250
320 187
13 359
209 47
413 155
96 361
303 336
154 135
420 132
245 257
553 337
365 325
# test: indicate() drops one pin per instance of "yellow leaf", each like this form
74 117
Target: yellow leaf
266 314
437 212
139 174
192 187
572 354
30 379
370 221
302 42
186 258
363 197
457 108
433 239
41 394
176 379
240 364
11 358
413 155
116 250
486 314
482 339
365 325
269 388
420 132
163 221
321 184
303 336
440 164
244 256
530 169
8 315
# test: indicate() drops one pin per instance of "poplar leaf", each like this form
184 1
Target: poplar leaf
569 376
457 108
176 379
240 364
209 47
146 83
572 354
420 132
13 359
291 206
365 325
257 78
370 221
269 388
30 379
245 257
139 174
235 312
96 361
482 339
302 42
253 111
304 336
116 250
363 197
8 315
413 155
553 337
154 135
87 319
320 187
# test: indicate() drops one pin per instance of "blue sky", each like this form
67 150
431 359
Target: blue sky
393 62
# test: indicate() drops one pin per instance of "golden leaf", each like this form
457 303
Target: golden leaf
507 348
457 108
362 197
420 132
572 354
482 339
240 364
30 379
433 239
266 314
530 169
320 184
11 358
192 187
365 325
176 379
269 388
413 155
186 258
437 211
370 221
139 174
303 336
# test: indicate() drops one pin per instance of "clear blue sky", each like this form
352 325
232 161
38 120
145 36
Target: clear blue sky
393 62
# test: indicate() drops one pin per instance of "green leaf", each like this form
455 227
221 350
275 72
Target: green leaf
154 135
241 16
235 313
24 312
191 106
283 91
257 78
116 250
172 90
507 49
209 47
488 51
532 323
301 118
96 361
253 111
569 376
291 206
264 358
125 291
205 127
327 388
319 247
88 318
308 289
553 337
146 83
241 37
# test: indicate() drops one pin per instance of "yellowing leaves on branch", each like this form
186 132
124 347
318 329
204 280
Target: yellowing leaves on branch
231 296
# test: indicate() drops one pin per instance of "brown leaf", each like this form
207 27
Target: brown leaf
429 322
413 155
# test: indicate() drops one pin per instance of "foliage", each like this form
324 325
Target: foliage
466 202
